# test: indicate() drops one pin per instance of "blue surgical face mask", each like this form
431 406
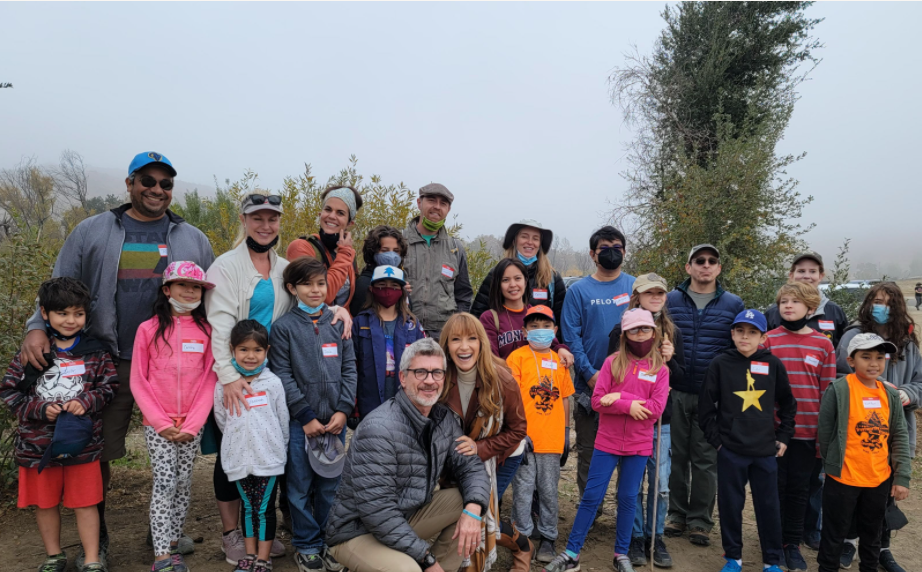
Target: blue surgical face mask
387 259
540 339
881 313
311 309
527 261
248 372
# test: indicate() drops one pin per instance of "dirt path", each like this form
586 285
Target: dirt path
129 498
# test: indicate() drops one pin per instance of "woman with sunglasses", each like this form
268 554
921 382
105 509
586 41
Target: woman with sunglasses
332 244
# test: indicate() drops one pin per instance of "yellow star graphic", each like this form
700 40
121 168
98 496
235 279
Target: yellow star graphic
751 395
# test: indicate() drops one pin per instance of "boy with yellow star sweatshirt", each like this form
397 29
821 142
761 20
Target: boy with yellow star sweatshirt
736 411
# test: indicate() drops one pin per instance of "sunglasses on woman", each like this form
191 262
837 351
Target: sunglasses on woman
149 182
263 199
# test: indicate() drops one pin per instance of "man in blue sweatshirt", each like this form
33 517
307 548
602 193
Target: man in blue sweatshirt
591 308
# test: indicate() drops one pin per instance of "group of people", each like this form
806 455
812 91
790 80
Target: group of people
266 361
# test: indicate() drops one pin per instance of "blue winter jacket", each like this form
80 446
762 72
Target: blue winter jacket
704 334
371 358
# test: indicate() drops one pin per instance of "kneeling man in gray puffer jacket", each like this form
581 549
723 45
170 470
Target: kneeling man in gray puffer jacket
386 507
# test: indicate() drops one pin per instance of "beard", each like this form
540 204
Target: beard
416 398
137 203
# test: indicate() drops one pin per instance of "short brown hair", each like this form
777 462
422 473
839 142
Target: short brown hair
302 269
806 293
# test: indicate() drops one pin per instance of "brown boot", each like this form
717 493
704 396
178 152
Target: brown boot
521 560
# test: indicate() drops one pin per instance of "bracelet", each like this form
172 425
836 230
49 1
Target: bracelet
472 515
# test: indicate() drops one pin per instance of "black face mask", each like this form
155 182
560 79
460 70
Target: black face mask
260 248
58 335
794 326
329 241
610 258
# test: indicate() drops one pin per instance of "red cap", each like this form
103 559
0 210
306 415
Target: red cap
544 311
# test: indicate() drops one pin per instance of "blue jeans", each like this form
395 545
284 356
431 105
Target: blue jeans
310 496
505 473
662 503
601 468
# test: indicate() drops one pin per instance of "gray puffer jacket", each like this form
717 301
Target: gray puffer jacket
389 474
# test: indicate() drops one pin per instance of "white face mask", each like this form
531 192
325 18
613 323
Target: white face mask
183 307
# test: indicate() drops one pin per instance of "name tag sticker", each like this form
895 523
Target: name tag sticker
72 368
622 299
827 325
193 346
811 360
329 350
539 294
549 364
448 271
871 402
162 249
759 367
647 376
258 399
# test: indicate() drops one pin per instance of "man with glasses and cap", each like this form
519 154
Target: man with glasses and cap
436 263
704 312
121 255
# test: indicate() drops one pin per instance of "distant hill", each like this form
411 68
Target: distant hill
101 182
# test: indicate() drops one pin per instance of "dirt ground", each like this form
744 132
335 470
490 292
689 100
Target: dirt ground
128 507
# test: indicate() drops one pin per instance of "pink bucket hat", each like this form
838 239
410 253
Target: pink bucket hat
186 271
635 318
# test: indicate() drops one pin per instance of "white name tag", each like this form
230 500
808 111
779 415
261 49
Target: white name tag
72 368
549 364
827 325
811 360
759 367
193 346
329 350
622 299
871 402
539 294
258 399
647 376
448 271
162 249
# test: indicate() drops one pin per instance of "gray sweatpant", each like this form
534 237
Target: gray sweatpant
541 471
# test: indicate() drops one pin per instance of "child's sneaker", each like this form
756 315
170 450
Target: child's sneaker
278 549
793 559
262 566
848 555
661 556
622 563
329 562
246 563
773 568
731 566
162 566
56 563
636 553
563 563
179 563
95 567
546 552
888 562
308 562
233 547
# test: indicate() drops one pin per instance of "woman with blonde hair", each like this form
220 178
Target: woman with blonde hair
481 391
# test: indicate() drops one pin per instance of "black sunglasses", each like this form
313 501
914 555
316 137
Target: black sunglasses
701 260
262 199
150 182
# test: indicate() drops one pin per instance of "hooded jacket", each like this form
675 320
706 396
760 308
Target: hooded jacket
316 366
829 319
746 424
553 298
91 254
705 333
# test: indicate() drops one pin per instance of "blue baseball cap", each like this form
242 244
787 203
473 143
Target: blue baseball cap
753 318
148 157
72 433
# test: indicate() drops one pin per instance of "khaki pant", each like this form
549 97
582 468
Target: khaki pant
439 517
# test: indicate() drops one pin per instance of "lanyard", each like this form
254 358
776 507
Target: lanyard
539 367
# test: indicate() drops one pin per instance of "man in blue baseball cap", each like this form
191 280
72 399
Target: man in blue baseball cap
120 255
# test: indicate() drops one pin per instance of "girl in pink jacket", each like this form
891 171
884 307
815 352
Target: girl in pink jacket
630 395
173 382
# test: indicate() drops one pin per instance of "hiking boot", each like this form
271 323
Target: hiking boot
308 562
636 553
698 536
731 566
793 558
277 550
888 563
674 529
179 563
56 563
848 555
546 552
622 563
661 556
329 562
262 566
245 564
233 547
562 563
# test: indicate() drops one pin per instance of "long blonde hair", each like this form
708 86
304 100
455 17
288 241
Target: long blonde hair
622 362
490 395
664 322
545 274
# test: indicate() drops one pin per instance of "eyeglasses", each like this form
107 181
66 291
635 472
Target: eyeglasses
641 330
701 260
421 374
149 182
262 199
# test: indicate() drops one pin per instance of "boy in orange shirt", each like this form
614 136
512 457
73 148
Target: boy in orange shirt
864 443
546 388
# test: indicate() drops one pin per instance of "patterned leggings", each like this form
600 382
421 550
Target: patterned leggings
257 509
172 467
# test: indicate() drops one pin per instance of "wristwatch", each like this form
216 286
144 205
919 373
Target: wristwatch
428 561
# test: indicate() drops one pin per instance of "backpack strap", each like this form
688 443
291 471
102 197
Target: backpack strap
495 319
320 252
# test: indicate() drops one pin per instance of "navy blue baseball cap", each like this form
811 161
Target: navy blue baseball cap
753 318
148 157
72 433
